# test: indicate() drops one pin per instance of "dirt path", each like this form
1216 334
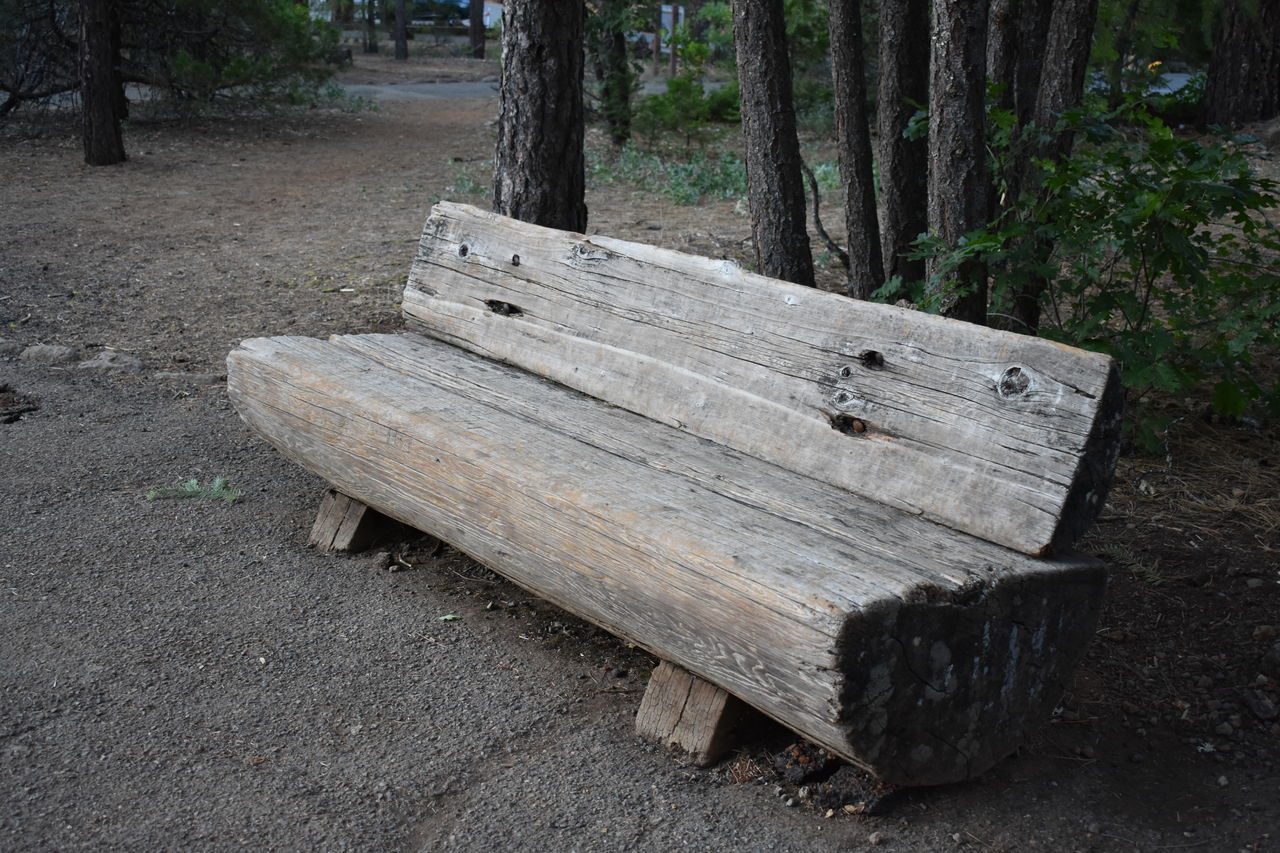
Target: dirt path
187 674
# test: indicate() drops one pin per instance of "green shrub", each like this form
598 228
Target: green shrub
1162 256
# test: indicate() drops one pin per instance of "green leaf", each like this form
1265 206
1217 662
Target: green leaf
1229 399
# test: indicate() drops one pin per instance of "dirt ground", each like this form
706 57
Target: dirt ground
186 674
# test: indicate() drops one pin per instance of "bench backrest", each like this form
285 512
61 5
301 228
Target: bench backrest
1007 437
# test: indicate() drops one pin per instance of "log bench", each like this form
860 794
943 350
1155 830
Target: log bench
854 518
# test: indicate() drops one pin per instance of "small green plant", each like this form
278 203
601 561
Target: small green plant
688 109
464 184
219 488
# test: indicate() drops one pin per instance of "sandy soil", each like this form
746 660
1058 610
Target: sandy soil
187 674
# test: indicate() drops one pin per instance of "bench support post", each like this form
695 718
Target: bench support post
679 709
345 525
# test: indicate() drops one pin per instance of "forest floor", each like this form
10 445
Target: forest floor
187 674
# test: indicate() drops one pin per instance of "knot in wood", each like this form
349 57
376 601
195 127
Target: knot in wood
1014 382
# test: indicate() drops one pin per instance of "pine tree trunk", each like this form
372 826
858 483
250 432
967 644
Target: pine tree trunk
475 22
617 80
370 31
402 30
99 86
1244 74
774 190
853 135
904 83
539 175
1034 18
958 172
1061 89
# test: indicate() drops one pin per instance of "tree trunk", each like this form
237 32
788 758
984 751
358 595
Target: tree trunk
99 86
1033 33
675 22
1123 44
904 84
370 31
774 189
539 175
616 76
1065 60
958 172
853 134
1244 74
657 40
476 28
402 30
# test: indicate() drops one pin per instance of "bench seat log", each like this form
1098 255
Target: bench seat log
915 651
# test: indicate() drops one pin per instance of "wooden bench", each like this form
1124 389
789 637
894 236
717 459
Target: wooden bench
855 518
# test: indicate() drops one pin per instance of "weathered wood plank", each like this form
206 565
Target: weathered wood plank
681 710
1008 437
344 525
923 668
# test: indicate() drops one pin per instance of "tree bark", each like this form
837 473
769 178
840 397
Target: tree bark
1244 74
370 31
904 84
402 30
476 28
853 135
617 80
1061 89
775 192
539 175
958 172
1032 33
99 86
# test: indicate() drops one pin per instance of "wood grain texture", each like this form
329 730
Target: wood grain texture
917 652
683 711
1007 437
344 525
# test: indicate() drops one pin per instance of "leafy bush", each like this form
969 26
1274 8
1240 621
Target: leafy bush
1162 256
687 109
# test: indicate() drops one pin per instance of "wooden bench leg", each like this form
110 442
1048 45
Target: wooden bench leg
344 525
679 709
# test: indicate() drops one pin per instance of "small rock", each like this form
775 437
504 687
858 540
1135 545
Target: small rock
1223 729
1222 781
1269 665
110 360
790 803
1254 583
1263 633
875 839
9 349
1204 681
1093 829
1128 707
49 354
1137 758
1260 706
